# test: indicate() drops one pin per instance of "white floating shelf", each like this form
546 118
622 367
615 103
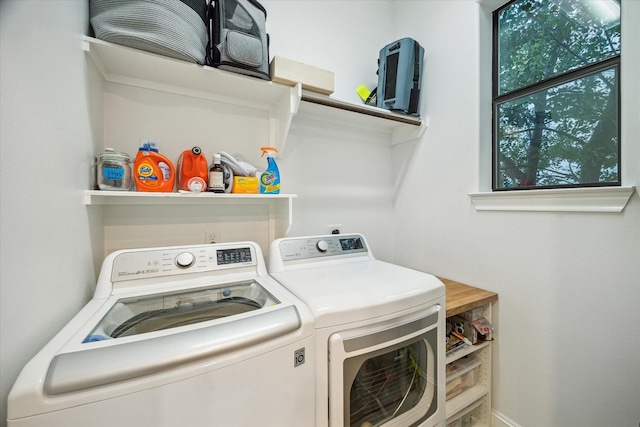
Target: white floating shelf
98 197
133 67
280 205
401 127
125 65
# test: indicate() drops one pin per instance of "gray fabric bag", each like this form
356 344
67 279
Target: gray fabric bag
173 28
238 37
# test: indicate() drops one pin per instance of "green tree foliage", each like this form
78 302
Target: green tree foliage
557 96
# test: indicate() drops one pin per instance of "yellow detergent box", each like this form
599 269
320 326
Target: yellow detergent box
245 185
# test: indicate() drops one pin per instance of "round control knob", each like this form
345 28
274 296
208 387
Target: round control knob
185 259
322 245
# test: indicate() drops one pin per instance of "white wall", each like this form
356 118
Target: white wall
567 345
341 176
341 36
46 140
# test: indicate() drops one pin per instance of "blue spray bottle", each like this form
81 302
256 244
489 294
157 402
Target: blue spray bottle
270 178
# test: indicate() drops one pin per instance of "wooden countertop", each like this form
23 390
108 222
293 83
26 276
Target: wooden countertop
461 297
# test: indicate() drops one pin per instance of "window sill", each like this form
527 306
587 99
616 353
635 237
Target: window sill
597 199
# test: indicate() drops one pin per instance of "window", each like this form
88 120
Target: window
556 109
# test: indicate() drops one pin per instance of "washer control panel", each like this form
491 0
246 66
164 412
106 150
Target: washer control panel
322 246
132 265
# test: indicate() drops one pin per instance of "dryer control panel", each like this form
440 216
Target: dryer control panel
321 246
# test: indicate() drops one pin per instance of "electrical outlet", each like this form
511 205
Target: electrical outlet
333 228
212 236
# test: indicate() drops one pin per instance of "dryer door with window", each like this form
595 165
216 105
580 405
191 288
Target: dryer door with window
386 377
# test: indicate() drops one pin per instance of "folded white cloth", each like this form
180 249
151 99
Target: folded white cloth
239 167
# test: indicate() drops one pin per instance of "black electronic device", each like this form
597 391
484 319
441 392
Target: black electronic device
400 76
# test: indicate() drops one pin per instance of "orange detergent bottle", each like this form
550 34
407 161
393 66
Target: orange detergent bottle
193 171
153 171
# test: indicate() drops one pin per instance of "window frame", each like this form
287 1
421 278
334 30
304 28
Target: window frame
613 62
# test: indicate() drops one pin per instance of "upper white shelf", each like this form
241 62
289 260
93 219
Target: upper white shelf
133 67
128 66
401 127
120 64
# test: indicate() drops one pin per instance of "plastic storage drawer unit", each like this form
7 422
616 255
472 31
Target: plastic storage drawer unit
461 375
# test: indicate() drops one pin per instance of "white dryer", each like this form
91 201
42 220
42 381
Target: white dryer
379 332
176 336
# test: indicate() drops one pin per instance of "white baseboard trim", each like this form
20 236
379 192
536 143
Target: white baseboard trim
498 419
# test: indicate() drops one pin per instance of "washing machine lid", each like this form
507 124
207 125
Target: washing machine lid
340 293
150 313
144 334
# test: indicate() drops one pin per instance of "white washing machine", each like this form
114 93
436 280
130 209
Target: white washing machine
379 332
176 336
